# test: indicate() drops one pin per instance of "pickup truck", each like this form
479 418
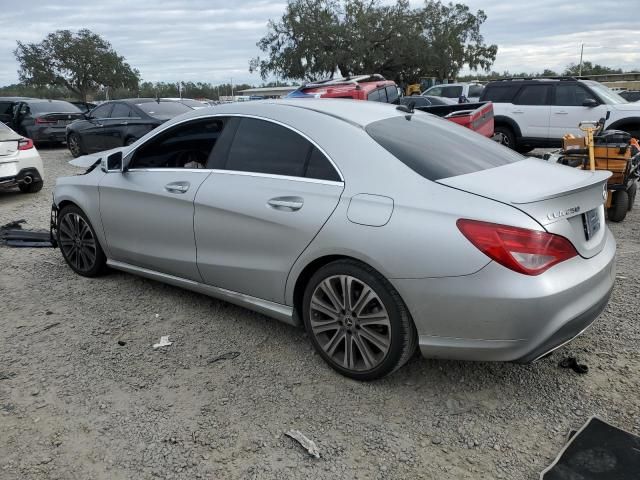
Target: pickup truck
475 116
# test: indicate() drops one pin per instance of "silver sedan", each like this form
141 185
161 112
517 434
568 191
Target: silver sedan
380 230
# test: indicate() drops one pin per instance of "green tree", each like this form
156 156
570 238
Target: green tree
588 68
82 62
314 38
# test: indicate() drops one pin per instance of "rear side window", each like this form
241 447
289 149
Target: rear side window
265 147
375 96
533 95
501 93
451 92
6 108
475 90
392 94
319 167
120 110
435 149
102 111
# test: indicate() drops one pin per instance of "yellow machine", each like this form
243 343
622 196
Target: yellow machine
611 150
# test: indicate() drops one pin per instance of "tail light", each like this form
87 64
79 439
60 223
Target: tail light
530 252
25 144
44 121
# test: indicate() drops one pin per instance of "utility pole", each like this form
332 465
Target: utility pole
581 52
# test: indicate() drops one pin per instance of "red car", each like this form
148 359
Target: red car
362 87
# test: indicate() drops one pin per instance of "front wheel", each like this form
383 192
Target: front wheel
79 244
357 321
73 141
504 136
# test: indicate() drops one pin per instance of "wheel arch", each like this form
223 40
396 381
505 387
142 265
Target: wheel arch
625 122
504 121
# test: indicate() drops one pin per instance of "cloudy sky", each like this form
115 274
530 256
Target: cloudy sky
213 40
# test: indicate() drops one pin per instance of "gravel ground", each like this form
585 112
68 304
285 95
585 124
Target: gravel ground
84 396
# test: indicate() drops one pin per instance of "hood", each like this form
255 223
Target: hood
625 107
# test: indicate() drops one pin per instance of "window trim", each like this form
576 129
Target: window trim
254 174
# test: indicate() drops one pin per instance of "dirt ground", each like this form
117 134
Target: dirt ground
83 395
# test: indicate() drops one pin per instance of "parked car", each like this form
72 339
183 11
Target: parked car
119 122
20 163
467 92
7 105
189 102
43 121
346 217
630 95
363 87
531 113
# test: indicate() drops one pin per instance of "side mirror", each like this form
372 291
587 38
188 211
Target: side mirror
589 102
113 163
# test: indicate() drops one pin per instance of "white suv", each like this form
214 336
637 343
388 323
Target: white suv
470 91
20 163
532 113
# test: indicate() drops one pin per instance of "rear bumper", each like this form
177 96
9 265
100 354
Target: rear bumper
500 315
48 134
21 177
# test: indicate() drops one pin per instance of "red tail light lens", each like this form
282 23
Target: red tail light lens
25 144
43 121
525 251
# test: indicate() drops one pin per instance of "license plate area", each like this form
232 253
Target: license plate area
591 223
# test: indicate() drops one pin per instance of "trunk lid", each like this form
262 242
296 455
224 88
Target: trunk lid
60 119
8 143
565 201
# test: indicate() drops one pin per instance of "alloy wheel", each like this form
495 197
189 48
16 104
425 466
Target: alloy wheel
350 322
501 138
74 146
77 242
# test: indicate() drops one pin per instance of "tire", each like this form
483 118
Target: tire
32 187
377 349
632 192
504 136
619 206
75 147
76 235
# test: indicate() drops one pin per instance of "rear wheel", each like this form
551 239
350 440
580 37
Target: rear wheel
619 206
32 187
504 136
79 244
357 321
73 141
632 192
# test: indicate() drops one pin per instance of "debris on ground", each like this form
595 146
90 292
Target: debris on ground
309 445
13 235
225 356
572 363
164 342
597 451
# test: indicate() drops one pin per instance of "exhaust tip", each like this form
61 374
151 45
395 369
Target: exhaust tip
27 179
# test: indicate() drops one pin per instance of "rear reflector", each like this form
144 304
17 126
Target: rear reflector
530 252
25 144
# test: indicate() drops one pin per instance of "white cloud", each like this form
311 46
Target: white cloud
213 40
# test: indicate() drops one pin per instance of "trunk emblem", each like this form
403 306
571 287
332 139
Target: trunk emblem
563 213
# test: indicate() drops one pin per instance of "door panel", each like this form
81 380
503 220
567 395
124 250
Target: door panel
568 111
148 219
250 229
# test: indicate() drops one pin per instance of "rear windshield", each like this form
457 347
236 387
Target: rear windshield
54 106
500 93
164 109
435 148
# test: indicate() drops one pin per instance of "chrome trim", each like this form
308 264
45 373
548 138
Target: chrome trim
284 313
203 170
157 132
282 177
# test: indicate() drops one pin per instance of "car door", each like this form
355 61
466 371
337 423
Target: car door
270 193
531 110
6 112
92 135
115 127
147 211
568 109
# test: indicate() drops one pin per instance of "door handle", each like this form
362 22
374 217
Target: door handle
562 112
517 111
286 204
177 187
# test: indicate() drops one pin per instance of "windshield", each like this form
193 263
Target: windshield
607 95
164 109
436 148
53 106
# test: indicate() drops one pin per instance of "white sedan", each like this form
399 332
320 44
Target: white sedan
20 163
